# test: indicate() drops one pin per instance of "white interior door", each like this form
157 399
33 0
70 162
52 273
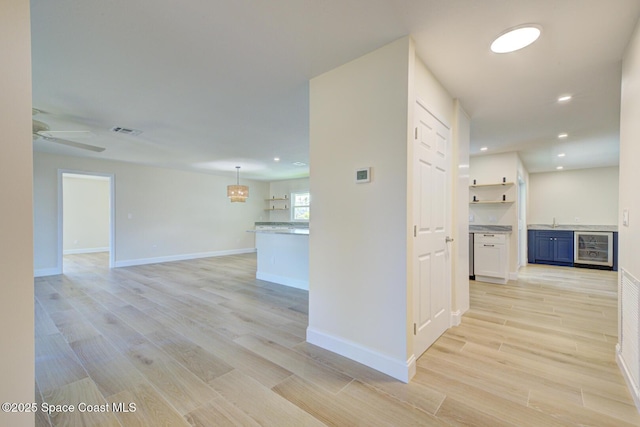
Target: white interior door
432 213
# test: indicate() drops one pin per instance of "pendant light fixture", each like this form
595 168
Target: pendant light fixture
237 192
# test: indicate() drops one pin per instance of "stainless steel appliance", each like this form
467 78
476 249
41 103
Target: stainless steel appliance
593 248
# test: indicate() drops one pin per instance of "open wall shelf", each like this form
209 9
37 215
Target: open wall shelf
490 202
500 184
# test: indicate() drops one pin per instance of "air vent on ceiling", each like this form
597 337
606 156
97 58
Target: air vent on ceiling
126 131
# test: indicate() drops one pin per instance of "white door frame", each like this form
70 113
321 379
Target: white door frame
522 222
112 213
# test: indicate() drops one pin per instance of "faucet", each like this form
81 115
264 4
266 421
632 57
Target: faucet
554 225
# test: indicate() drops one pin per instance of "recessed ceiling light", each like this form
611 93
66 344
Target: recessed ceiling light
563 135
516 38
561 155
276 159
484 149
564 98
559 168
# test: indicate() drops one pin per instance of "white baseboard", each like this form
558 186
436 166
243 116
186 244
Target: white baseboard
411 367
633 389
287 281
513 275
84 251
456 318
184 257
488 279
398 369
42 272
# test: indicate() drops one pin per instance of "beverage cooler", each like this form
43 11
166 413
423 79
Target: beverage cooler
593 248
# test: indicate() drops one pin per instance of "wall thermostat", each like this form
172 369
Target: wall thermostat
363 175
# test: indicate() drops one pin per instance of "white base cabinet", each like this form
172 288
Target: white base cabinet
491 258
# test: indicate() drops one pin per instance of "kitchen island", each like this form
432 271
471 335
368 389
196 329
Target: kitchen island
283 256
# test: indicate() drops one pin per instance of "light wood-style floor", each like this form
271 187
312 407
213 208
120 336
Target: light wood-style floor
204 343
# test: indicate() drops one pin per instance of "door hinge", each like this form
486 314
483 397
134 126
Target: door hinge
414 329
416 134
415 231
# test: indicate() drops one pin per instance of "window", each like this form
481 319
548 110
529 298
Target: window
300 206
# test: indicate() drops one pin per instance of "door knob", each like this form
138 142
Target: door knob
448 239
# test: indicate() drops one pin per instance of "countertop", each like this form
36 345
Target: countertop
294 231
495 229
283 224
572 227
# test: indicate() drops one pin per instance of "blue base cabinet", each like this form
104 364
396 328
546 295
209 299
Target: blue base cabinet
550 247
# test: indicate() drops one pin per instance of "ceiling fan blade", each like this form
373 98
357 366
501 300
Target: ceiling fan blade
73 143
67 134
41 130
39 126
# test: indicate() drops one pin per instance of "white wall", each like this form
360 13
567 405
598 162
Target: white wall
629 196
86 213
161 214
588 195
279 189
358 246
461 139
360 264
491 169
432 93
16 226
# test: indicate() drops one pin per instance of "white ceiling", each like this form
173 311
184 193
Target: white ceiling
218 83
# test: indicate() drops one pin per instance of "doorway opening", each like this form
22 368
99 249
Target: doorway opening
85 217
